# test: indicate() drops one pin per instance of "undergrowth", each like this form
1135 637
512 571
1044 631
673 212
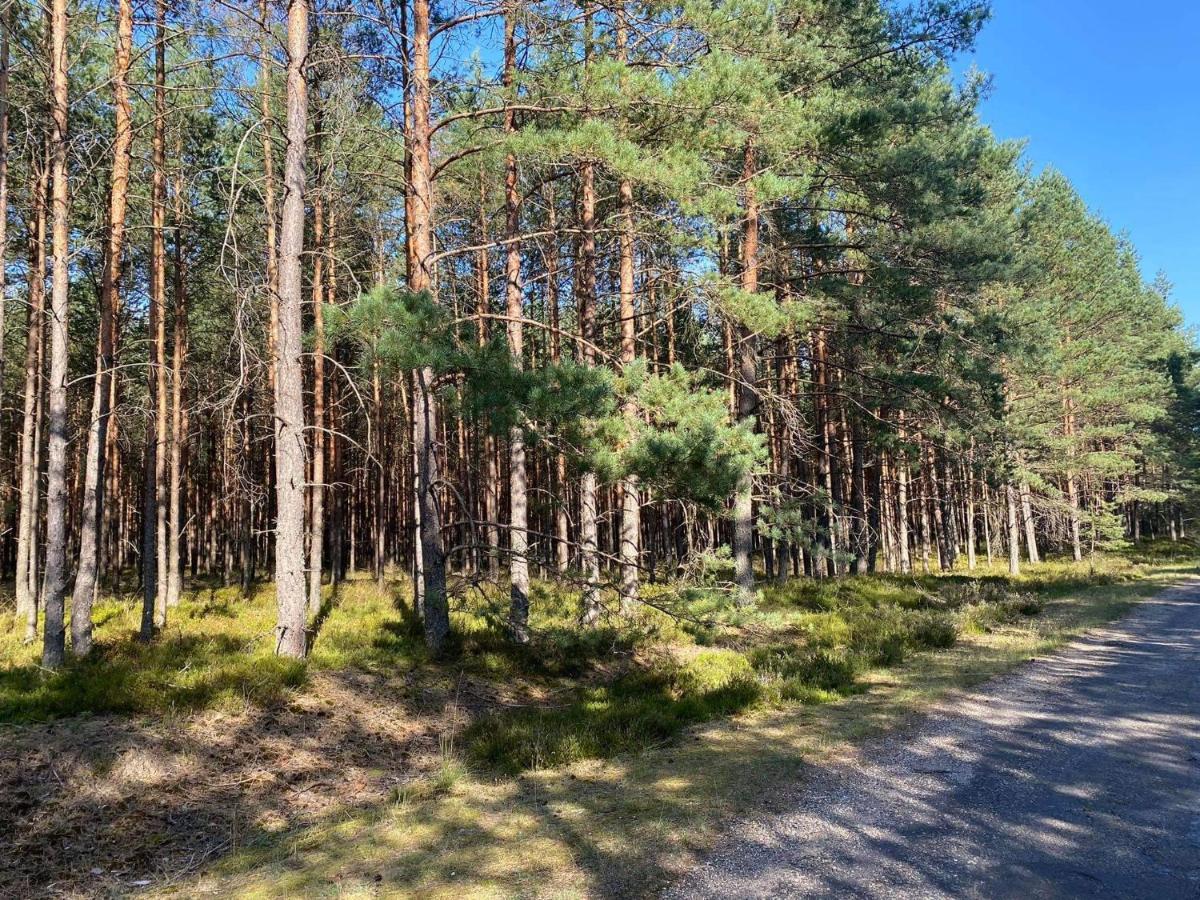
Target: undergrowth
806 642
687 657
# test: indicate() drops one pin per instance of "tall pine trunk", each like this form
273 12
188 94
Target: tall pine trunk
419 213
585 305
1072 478
491 474
518 512
972 539
747 388
562 538
1030 526
154 525
27 521
316 546
54 639
179 420
268 153
289 378
1014 535
92 513
629 552
824 563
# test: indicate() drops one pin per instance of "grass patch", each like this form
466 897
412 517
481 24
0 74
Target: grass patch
217 651
227 661
634 711
806 676
809 642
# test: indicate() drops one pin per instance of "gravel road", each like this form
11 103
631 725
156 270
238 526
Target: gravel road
1078 776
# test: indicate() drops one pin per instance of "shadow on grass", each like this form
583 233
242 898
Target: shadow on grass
635 711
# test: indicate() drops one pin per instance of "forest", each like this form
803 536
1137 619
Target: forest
541 321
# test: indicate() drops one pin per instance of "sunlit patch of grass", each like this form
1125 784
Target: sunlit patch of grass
227 662
217 652
806 676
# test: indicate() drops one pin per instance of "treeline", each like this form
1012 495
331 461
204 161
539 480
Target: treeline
599 292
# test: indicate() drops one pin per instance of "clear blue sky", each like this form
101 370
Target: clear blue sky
1109 94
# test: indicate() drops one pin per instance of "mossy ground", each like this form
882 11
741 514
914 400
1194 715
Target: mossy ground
540 789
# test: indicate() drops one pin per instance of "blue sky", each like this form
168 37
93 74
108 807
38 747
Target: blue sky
1109 94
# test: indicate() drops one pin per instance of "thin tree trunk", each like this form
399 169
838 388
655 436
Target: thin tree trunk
316 545
415 432
268 152
923 503
54 639
631 514
824 563
379 479
87 573
902 505
859 500
747 393
178 441
585 305
491 475
37 496
942 514
783 375
518 518
26 568
419 213
338 495
289 378
159 337
562 538
1030 526
1014 535
435 612
987 522
1072 479
154 526
588 530
971 537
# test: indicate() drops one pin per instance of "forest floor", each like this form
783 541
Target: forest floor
592 763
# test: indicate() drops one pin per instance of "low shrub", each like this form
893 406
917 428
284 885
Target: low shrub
634 712
986 617
795 673
934 631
